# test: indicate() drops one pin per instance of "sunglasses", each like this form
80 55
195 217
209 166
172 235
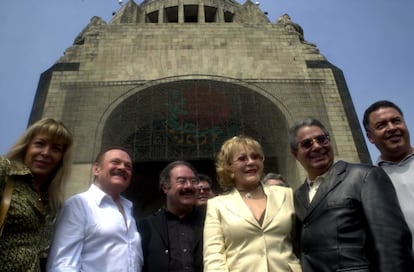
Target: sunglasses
204 189
308 143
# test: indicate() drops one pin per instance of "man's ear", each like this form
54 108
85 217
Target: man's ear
369 137
96 169
163 188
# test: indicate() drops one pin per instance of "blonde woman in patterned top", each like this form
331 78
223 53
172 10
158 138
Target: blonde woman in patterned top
39 163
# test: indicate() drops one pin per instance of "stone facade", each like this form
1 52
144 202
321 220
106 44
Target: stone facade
172 79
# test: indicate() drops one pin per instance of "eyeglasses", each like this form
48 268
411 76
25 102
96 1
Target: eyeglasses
320 140
183 181
205 189
245 158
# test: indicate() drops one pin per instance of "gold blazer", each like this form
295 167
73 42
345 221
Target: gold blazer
235 241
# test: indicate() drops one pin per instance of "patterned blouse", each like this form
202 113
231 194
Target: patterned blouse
27 230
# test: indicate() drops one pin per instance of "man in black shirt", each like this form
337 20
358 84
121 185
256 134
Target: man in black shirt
172 237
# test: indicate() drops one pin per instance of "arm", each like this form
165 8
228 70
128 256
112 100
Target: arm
144 230
390 235
68 238
213 246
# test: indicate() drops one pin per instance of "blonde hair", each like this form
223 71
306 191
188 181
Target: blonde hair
57 130
224 158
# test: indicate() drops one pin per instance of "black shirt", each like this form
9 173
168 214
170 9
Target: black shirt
181 240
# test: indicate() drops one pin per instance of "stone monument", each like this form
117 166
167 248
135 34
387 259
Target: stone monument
172 79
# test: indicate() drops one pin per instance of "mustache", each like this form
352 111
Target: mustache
187 191
118 172
394 133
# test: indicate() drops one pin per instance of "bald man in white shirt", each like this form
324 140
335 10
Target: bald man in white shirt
95 230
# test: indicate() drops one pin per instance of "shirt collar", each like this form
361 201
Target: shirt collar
318 179
316 182
99 196
188 217
380 161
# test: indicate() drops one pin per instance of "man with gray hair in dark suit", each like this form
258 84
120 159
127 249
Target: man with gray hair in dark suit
348 216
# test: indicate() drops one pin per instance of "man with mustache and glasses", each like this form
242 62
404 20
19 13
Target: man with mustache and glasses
95 230
386 128
347 215
172 237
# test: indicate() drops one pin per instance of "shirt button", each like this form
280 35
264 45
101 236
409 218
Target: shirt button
166 252
185 250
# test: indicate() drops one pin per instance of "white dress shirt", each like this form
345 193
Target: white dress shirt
91 235
314 186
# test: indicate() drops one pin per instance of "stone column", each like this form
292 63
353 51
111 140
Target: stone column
201 14
180 12
161 17
220 13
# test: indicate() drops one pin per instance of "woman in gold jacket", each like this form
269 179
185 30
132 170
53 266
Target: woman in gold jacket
249 228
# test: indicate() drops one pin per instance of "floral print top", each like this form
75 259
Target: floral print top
27 228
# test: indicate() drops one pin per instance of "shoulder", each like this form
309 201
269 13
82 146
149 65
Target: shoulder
148 224
351 165
366 168
277 189
9 167
281 194
301 187
366 173
78 200
223 198
341 166
156 216
362 166
4 165
17 170
159 213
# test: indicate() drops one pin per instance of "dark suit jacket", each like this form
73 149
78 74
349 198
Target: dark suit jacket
354 223
155 245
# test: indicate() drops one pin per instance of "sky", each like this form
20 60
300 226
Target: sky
371 41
